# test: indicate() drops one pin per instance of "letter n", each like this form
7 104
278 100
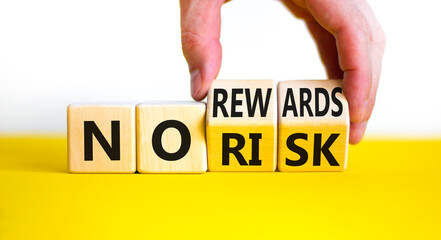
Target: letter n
114 151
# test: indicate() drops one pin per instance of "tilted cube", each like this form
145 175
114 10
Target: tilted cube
242 125
313 126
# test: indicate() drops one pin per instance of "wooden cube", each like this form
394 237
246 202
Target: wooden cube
242 125
171 137
101 138
313 126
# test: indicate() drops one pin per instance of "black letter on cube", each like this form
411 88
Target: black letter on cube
226 149
297 149
157 140
90 128
318 149
255 137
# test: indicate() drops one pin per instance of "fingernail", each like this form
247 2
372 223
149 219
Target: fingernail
363 126
357 132
365 109
362 129
196 82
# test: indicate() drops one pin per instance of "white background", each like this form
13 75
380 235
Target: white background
53 53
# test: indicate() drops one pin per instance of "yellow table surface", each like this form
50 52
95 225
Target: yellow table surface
390 190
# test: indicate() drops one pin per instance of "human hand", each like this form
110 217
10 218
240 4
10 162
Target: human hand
348 37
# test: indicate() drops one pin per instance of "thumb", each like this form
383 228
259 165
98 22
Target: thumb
200 33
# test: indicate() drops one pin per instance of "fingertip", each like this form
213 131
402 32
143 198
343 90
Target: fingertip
200 33
204 62
356 87
198 97
200 84
195 82
358 111
357 132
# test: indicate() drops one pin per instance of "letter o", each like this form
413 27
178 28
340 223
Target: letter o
157 140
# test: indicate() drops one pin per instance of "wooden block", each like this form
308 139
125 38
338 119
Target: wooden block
242 125
171 137
101 138
313 126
